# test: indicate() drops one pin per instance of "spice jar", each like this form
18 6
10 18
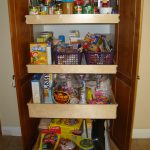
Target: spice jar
78 6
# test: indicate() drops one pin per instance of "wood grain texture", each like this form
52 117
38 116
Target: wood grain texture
127 47
91 69
73 19
21 36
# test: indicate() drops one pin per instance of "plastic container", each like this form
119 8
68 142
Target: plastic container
66 58
68 6
105 10
99 58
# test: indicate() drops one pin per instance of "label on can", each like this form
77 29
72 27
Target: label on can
78 9
44 10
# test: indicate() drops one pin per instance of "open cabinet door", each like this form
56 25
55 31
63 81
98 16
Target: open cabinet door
21 36
128 45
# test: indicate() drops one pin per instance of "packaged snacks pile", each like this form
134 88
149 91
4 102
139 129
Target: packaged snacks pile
97 49
71 89
66 89
64 134
99 90
96 43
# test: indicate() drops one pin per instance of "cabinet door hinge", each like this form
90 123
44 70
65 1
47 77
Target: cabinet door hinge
138 77
13 83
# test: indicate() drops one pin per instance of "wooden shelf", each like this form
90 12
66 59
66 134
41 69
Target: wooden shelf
73 19
104 111
78 69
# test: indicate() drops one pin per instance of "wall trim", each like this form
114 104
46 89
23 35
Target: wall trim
12 131
140 133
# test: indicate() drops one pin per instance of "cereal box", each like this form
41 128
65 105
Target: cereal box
37 91
38 53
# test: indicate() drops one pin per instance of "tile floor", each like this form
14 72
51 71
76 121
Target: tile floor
14 143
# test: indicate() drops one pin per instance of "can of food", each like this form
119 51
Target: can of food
68 7
47 2
44 10
34 10
88 9
78 9
86 144
52 9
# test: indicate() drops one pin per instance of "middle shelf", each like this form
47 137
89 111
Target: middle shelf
78 69
104 111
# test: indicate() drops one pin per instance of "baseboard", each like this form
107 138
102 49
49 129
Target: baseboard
13 131
140 133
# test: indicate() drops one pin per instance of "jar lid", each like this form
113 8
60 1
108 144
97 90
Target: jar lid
67 1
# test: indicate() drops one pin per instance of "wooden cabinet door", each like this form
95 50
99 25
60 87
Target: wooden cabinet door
21 36
127 45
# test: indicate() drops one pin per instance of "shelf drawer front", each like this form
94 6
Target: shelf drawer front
72 19
107 111
78 69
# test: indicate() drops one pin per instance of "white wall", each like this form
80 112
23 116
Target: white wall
8 101
84 29
142 112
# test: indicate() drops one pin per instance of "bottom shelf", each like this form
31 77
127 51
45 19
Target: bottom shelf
107 144
104 111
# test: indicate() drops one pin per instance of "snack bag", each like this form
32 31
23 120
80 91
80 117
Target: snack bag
49 139
68 142
67 126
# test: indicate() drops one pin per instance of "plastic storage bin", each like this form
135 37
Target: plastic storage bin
98 58
68 58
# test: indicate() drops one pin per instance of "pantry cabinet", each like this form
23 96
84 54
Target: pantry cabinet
124 70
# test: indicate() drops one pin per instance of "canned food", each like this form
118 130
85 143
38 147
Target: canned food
86 144
44 10
88 9
78 9
68 7
34 10
52 9
47 2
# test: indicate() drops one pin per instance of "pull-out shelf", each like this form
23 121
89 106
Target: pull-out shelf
73 19
78 69
103 111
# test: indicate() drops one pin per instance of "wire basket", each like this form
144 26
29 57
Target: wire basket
65 58
98 58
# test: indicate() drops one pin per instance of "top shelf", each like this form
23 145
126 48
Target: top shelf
73 19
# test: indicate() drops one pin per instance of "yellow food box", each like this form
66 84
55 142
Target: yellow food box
38 53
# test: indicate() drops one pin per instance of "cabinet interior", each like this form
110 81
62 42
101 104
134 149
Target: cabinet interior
83 29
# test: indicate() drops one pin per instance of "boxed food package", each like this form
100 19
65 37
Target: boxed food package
37 90
38 53
47 81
